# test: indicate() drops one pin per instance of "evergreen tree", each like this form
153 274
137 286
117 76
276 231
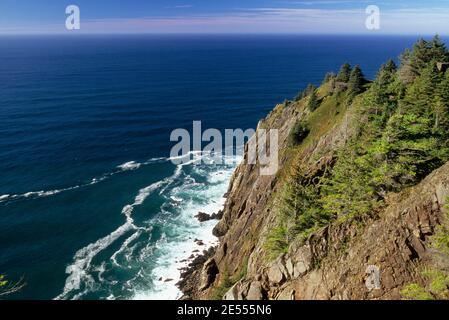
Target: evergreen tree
406 71
441 106
313 102
421 55
344 73
400 134
386 73
356 81
306 92
438 50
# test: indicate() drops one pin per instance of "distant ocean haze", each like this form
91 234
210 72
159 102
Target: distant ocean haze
90 205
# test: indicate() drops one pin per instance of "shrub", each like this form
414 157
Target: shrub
313 102
298 133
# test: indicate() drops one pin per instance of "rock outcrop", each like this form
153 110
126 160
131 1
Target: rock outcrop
334 262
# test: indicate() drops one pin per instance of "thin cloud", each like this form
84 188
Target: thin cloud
275 20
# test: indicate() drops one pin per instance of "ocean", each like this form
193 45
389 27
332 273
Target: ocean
91 207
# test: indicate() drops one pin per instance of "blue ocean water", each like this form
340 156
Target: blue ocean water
90 205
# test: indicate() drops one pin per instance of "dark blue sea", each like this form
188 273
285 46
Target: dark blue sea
91 207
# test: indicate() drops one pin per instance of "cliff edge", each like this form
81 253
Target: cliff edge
360 195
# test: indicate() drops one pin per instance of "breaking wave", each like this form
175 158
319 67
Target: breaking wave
131 165
142 260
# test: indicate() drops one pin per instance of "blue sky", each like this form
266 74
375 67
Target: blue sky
225 16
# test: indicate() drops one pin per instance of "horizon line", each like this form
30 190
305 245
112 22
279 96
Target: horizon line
71 34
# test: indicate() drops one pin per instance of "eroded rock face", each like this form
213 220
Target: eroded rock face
332 263
396 243
208 274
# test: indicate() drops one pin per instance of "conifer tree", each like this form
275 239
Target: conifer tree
313 102
344 73
356 81
406 71
438 50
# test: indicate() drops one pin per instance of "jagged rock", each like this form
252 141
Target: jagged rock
255 291
220 229
217 216
303 261
287 293
208 274
202 217
289 266
233 293
276 272
332 262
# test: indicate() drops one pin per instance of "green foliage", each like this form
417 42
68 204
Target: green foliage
437 281
306 92
299 213
423 53
400 135
223 288
437 287
309 89
3 281
329 77
298 133
277 241
356 81
415 292
440 240
344 73
313 102
228 281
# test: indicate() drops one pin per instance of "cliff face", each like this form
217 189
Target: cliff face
334 261
331 263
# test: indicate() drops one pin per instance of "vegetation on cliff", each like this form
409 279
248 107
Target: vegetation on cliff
436 282
401 135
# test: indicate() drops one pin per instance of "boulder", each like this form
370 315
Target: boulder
202 217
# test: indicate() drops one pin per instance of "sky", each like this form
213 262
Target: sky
414 17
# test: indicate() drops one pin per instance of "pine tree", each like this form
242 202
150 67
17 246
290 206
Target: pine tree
344 73
441 105
406 72
306 92
356 81
386 73
313 102
438 50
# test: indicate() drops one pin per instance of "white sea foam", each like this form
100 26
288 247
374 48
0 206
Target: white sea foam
174 254
170 253
131 165
79 270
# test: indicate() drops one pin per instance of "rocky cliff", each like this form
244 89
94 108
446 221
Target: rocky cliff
334 260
